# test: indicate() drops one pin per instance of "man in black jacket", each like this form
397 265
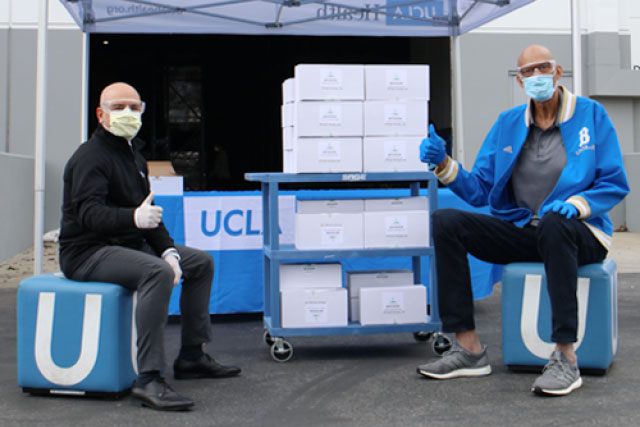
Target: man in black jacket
112 232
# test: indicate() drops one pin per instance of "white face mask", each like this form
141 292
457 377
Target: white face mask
125 123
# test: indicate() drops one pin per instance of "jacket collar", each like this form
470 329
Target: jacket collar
565 112
102 133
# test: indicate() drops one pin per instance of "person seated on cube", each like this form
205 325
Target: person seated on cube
112 232
550 171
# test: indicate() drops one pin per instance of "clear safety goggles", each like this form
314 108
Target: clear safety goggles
544 67
116 105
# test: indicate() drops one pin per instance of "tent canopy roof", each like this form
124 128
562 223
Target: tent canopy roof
418 18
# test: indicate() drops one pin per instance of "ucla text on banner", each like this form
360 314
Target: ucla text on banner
232 222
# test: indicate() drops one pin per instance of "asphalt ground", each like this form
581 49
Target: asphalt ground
362 380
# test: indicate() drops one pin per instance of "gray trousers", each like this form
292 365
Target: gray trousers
152 277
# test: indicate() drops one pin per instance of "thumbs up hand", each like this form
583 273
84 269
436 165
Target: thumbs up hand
432 148
147 215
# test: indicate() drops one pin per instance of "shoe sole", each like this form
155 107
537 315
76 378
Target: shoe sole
169 409
563 392
145 403
466 372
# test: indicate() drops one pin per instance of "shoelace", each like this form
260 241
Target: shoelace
556 367
166 385
452 350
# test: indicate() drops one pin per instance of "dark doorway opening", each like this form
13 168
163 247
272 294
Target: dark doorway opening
213 101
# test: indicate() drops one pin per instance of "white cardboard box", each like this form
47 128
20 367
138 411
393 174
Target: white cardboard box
313 308
392 154
397 204
288 91
287 138
328 119
286 115
394 118
288 161
166 185
328 82
396 229
322 155
327 275
330 206
329 231
357 280
393 305
396 82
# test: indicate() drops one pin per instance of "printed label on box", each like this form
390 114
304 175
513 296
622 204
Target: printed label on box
316 312
331 78
397 79
329 151
396 226
392 302
330 115
395 114
395 151
332 234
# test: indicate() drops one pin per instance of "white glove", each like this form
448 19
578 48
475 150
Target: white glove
147 215
173 261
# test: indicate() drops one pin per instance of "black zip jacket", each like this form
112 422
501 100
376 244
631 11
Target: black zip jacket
104 182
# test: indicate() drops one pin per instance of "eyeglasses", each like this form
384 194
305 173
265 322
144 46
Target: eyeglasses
545 67
121 104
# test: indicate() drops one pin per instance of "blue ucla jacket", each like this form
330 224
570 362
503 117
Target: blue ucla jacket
593 180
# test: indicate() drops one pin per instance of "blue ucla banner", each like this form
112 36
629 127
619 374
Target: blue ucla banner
228 225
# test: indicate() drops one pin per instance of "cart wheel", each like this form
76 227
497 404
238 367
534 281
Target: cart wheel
268 339
422 336
440 344
281 350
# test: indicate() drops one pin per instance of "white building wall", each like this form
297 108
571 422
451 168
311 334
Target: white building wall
18 45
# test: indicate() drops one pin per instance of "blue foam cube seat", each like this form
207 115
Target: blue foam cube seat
75 338
526 316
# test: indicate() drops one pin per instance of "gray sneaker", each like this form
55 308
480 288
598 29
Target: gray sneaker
559 377
457 362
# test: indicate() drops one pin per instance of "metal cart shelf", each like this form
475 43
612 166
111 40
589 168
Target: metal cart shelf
274 253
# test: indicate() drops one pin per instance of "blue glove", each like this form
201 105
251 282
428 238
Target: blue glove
432 148
563 208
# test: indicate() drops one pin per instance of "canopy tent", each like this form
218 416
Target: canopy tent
423 18
417 18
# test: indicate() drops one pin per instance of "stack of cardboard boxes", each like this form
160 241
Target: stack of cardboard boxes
350 119
312 297
354 118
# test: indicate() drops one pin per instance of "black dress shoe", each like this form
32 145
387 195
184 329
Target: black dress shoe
204 367
159 395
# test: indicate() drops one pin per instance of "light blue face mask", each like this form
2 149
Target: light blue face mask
539 87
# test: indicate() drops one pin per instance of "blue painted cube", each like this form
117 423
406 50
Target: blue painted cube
526 315
75 337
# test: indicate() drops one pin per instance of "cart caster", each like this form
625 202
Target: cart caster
422 336
440 343
268 339
281 350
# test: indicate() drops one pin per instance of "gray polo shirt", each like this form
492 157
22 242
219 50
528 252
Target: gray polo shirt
539 165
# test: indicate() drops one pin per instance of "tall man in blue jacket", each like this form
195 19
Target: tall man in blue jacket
112 232
549 170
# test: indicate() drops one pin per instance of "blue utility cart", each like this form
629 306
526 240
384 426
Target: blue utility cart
274 253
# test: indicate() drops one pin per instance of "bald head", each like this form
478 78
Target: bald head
118 96
118 90
534 53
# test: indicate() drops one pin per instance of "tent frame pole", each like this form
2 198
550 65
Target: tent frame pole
40 142
576 47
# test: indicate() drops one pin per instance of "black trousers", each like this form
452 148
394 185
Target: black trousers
561 244
152 277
